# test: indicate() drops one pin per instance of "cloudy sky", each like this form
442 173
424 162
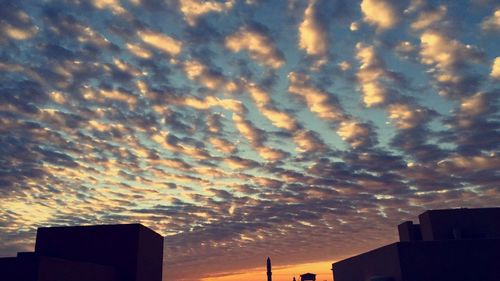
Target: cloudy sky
301 130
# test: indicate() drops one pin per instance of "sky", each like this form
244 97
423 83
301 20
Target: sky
300 130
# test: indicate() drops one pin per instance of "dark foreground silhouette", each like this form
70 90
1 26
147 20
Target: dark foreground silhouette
269 272
308 277
447 245
130 252
303 277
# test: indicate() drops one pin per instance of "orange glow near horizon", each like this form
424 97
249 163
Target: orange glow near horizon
280 273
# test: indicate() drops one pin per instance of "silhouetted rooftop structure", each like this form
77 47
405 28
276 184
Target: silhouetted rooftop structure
447 245
308 277
269 271
129 252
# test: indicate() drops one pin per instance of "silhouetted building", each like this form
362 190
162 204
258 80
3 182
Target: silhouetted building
308 277
447 245
130 252
269 272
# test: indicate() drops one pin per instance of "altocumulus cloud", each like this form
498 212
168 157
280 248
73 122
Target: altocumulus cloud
230 126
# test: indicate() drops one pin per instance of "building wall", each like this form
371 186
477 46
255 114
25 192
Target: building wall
448 260
118 246
460 223
12 270
452 260
409 232
53 269
130 252
381 262
39 268
150 256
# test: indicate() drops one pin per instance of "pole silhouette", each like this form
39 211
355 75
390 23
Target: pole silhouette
269 273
